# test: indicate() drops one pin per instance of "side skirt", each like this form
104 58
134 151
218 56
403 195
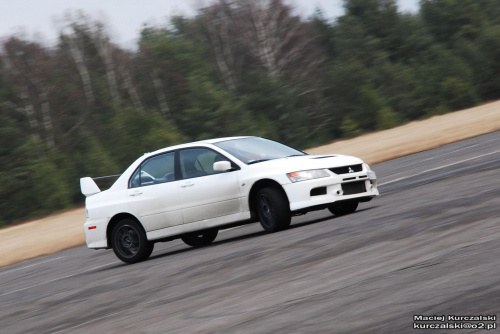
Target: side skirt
169 233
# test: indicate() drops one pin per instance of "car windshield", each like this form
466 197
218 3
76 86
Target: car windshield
253 150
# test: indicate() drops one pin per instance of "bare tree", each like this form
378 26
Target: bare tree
91 50
30 67
131 90
218 21
28 110
263 30
277 39
105 48
79 28
78 58
160 95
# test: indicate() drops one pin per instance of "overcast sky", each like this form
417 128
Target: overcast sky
38 19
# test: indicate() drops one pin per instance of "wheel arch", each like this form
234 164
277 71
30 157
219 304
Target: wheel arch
113 221
256 187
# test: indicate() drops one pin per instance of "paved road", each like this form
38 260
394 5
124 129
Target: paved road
427 246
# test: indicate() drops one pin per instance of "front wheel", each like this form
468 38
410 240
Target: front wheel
273 209
200 238
130 243
343 208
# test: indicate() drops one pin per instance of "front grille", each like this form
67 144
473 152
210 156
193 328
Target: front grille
347 169
353 188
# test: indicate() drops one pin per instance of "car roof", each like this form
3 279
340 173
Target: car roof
195 143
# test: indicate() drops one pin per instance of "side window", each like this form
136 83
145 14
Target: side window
159 169
198 162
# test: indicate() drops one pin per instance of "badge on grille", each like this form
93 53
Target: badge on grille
351 170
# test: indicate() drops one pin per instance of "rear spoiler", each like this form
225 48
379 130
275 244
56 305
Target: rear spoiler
89 187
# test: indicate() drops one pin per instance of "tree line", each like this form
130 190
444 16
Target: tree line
88 107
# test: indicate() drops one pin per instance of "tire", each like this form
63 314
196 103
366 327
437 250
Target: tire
130 243
273 209
343 208
200 238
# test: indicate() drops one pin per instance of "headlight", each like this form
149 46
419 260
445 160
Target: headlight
307 175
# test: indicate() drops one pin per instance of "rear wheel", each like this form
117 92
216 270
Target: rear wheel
343 208
273 209
130 243
200 238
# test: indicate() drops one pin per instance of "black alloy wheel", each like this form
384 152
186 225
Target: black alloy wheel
273 209
343 208
200 238
130 243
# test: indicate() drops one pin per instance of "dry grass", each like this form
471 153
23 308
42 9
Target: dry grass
419 135
65 230
42 236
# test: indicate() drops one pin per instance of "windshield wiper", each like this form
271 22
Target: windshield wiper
251 162
296 155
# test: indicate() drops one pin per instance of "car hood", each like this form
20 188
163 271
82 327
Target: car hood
307 162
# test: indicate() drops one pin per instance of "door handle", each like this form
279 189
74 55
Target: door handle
186 185
136 193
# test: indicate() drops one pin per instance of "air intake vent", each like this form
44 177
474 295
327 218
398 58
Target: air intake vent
318 191
347 169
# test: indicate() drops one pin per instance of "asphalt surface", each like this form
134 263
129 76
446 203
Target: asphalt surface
427 246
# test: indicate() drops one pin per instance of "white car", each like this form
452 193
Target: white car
191 191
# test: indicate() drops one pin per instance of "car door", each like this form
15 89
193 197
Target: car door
207 194
154 193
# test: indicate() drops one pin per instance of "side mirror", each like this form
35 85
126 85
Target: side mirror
222 166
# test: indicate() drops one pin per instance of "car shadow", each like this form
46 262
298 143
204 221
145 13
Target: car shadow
215 243
240 237
120 264
248 236
319 220
171 253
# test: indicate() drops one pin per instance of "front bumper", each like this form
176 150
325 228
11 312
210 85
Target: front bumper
328 190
